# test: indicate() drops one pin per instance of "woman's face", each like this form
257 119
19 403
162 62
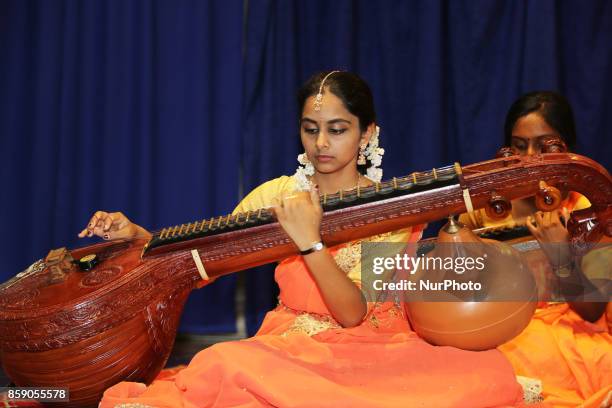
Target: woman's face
331 136
530 132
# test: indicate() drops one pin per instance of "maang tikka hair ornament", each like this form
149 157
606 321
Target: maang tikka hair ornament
319 98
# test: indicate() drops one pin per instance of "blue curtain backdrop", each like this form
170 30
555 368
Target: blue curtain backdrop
171 110
118 105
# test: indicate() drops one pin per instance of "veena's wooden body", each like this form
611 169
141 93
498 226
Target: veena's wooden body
87 330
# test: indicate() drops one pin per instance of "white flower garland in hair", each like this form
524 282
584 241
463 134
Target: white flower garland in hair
302 172
373 153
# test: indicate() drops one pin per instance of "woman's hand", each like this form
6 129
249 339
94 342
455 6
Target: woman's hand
300 216
113 226
552 235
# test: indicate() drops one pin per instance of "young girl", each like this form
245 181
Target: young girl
323 346
567 346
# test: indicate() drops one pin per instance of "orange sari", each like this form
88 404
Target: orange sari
301 357
572 357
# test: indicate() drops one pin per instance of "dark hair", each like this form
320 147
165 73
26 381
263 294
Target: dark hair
553 108
350 88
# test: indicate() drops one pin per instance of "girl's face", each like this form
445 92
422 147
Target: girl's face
331 136
530 132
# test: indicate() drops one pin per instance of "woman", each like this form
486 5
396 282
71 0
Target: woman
567 346
323 345
532 120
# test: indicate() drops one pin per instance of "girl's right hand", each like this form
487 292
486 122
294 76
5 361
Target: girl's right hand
113 226
300 216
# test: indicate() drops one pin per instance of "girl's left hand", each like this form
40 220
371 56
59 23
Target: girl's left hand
547 228
300 216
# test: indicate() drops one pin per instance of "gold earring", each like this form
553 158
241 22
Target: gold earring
361 160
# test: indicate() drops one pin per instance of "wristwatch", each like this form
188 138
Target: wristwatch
317 246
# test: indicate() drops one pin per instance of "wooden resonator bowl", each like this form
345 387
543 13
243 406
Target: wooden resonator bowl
474 319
